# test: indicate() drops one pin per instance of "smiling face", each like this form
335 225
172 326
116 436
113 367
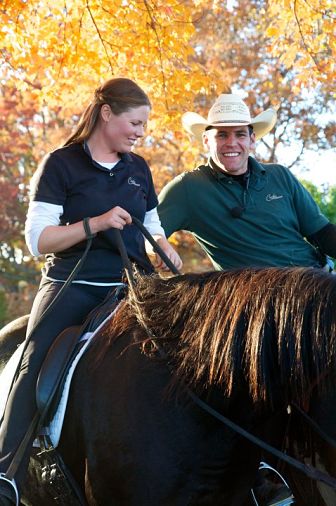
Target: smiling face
120 132
229 147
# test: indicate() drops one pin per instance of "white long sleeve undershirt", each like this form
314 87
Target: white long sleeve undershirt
42 214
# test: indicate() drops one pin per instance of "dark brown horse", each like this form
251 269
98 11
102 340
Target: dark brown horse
249 342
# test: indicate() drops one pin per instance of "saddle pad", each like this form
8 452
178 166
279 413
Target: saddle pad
55 427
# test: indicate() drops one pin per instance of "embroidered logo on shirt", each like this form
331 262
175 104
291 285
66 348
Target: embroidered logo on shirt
132 181
273 196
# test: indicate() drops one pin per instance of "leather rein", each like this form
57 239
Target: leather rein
310 471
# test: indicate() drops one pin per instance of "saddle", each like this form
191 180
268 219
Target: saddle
63 352
55 367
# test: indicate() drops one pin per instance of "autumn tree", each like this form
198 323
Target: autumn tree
61 50
303 36
25 134
242 50
16 155
54 53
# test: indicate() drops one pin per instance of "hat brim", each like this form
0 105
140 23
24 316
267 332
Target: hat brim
262 124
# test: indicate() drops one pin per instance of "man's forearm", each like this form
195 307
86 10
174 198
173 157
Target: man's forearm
325 239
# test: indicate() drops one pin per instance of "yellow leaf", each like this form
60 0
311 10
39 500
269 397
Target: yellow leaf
272 32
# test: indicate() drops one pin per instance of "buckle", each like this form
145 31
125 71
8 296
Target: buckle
271 488
13 493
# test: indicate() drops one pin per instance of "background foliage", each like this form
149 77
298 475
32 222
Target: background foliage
278 53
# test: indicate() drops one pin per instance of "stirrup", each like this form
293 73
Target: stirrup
282 502
12 483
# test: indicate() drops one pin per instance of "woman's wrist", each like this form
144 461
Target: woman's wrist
87 229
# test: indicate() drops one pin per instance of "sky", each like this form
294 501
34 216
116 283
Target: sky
319 168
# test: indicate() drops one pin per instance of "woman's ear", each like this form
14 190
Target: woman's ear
105 112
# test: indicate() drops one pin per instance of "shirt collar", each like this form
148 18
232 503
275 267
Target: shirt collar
253 166
220 174
124 157
257 173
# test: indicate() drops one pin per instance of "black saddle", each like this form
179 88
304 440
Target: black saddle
61 354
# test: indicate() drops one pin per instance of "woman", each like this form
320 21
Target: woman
92 184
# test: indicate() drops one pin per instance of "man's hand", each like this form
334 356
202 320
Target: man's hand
173 256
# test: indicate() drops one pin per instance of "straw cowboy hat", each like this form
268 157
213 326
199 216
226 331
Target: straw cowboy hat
229 110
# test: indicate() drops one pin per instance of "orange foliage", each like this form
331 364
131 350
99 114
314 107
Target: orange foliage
303 36
54 54
61 50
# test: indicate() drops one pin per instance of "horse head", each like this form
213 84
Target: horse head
272 330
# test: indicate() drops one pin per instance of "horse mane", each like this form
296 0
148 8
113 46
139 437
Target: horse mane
274 327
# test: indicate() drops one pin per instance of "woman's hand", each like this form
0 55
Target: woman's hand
56 238
168 249
116 217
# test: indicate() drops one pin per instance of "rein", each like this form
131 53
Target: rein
309 471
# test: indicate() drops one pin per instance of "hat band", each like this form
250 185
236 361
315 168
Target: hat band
230 121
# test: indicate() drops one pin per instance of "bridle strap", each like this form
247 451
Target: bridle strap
309 471
314 425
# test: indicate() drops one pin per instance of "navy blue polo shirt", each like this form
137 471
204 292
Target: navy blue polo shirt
70 178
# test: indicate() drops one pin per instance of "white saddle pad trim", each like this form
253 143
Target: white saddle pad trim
55 427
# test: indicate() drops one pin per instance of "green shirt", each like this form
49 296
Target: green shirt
279 213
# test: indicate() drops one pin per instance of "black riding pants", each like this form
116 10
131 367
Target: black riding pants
77 301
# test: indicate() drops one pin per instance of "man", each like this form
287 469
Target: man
242 212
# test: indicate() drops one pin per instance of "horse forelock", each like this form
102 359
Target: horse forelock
272 328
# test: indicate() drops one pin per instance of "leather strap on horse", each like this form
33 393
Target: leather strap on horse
314 426
309 471
155 245
11 471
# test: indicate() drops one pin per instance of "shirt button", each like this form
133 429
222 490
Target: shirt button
111 174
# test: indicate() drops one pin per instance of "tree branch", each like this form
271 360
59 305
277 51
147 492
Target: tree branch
99 34
298 157
153 27
307 48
